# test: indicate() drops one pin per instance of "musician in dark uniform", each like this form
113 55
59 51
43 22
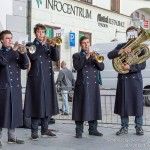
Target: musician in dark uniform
11 63
129 94
86 100
40 98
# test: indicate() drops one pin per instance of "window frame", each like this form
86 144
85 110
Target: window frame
115 5
86 1
59 47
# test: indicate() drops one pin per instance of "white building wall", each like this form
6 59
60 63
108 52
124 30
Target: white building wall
106 4
70 22
6 8
127 7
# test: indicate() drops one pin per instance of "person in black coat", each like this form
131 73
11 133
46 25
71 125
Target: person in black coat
129 93
86 99
40 97
11 63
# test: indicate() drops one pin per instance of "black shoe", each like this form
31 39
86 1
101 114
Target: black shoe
61 110
34 137
48 133
96 133
51 121
17 141
66 114
139 131
0 144
123 130
78 135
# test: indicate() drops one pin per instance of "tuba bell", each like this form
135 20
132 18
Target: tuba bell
139 52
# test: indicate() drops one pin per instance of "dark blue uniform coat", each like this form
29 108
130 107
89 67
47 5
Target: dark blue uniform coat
129 94
86 100
11 63
40 97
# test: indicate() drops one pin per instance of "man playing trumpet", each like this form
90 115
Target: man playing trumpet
12 60
40 98
86 100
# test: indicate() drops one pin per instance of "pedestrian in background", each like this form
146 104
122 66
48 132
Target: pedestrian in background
66 81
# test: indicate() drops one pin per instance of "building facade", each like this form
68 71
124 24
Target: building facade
100 20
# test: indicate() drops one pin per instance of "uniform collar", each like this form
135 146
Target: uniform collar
83 52
37 43
4 49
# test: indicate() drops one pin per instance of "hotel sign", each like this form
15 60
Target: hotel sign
104 21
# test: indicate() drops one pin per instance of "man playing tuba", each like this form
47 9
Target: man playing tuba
129 93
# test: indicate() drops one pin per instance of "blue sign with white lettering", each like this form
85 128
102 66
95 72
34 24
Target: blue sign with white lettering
72 39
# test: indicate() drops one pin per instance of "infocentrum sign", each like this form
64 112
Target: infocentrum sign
68 9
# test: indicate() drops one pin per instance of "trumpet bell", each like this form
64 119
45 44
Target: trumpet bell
100 58
32 49
57 40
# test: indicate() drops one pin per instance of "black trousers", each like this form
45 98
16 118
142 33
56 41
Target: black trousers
35 123
92 126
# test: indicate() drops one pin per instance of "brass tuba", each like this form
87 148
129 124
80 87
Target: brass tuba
135 56
99 58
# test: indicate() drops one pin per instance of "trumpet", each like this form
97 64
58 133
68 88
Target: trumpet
22 47
99 58
31 49
57 40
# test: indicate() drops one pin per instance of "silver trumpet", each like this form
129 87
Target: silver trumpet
22 48
31 49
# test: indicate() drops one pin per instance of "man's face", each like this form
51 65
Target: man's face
7 40
131 34
85 45
40 34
